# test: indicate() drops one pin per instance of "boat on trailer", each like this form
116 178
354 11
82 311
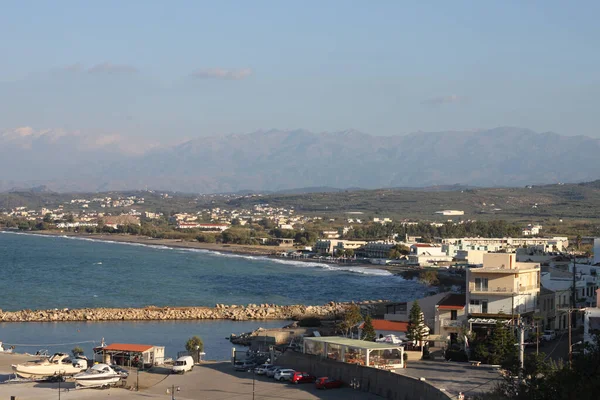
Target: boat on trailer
100 376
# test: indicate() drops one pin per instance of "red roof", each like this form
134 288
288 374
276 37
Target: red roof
134 348
424 245
385 325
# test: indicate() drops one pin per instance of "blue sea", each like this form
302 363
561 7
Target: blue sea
43 272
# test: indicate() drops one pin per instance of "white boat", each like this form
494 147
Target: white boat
100 375
60 364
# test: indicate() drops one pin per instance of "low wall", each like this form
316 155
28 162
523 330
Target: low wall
376 381
151 313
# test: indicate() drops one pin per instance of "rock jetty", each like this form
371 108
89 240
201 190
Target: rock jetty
152 313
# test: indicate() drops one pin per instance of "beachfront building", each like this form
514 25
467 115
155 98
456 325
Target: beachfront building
423 254
502 289
558 243
330 246
380 249
384 328
353 351
130 355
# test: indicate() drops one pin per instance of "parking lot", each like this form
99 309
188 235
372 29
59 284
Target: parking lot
209 381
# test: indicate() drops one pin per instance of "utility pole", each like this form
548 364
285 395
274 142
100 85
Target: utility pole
570 341
521 329
572 320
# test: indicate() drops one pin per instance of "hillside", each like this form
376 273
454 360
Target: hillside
535 204
283 160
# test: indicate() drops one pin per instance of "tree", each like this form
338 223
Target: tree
368 331
48 218
77 351
501 345
417 330
194 345
351 318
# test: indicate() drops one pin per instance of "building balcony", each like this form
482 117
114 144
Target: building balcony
501 290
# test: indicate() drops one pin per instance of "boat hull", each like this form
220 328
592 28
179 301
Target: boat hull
97 381
42 372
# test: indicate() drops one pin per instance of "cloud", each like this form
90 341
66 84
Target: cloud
452 99
108 68
222 73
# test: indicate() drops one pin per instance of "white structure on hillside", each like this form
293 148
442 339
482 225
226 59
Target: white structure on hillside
450 212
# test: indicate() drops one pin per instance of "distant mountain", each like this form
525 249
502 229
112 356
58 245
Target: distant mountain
280 161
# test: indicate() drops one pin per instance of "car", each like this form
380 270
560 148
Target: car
244 365
120 370
284 374
302 377
549 334
262 369
328 383
272 370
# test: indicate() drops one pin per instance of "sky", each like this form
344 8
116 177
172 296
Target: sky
172 70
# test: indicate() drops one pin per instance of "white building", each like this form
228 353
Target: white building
450 212
422 254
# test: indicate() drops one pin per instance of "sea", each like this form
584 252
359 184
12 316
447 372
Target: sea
46 272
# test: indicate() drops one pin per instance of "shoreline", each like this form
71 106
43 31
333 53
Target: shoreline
237 249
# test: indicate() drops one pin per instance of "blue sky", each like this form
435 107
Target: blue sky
172 70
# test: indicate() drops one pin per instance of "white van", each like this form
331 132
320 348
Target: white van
183 364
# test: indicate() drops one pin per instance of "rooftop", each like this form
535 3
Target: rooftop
385 325
134 348
360 344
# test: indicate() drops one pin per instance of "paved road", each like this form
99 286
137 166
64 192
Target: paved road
453 377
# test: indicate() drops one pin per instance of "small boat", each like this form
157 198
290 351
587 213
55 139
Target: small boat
60 364
100 375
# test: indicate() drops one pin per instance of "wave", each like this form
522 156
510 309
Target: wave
294 263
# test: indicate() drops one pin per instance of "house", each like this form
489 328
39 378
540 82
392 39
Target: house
472 257
502 289
384 327
450 316
532 230
401 311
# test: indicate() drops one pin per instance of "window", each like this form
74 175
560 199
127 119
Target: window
484 306
453 315
481 284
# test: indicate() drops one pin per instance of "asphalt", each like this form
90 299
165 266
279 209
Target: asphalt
209 381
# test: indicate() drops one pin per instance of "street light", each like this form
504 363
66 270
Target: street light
172 391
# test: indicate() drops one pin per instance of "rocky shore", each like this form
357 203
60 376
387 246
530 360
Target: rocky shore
151 313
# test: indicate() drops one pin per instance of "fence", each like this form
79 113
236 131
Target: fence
376 381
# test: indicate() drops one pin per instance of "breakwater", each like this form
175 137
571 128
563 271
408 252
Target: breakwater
330 310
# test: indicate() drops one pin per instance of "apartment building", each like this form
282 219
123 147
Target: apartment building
501 289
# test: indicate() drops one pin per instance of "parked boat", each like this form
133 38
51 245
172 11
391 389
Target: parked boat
100 375
60 364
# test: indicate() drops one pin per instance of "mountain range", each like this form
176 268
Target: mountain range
277 160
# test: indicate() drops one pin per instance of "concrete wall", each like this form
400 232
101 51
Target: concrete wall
382 383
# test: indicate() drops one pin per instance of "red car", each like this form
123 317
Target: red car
302 377
328 383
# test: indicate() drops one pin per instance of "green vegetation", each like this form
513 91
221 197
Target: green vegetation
417 330
543 379
77 351
194 345
351 318
309 322
368 331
